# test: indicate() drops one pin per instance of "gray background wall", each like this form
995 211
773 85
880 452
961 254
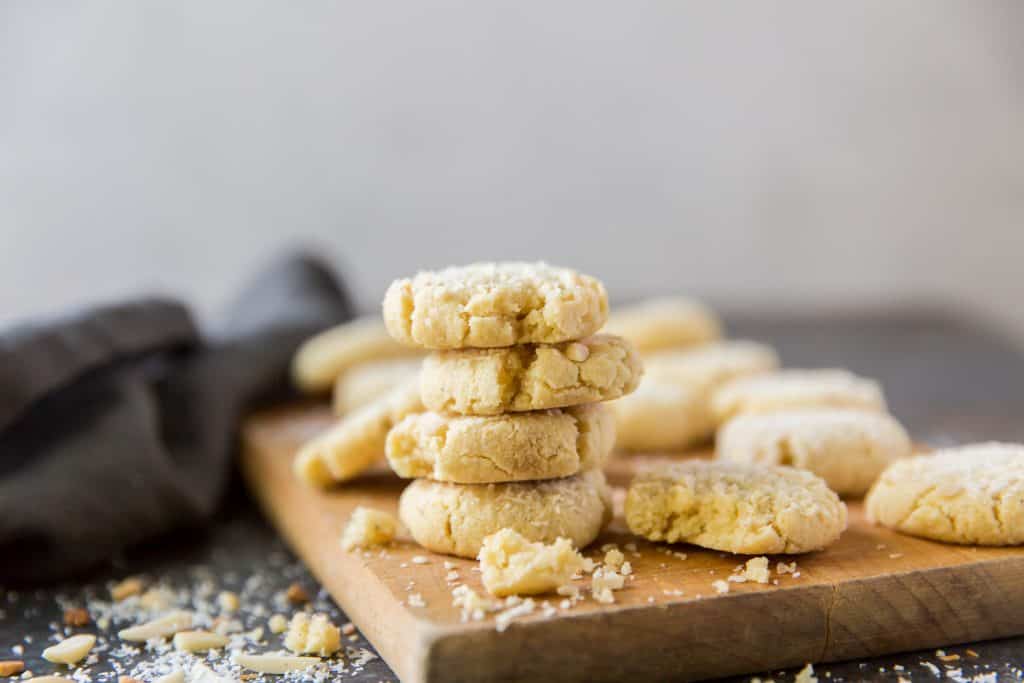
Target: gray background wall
763 154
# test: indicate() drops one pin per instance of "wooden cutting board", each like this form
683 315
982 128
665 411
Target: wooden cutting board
873 592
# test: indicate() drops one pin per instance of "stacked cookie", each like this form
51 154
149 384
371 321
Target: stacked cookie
514 434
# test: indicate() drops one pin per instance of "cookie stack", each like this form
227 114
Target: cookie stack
514 434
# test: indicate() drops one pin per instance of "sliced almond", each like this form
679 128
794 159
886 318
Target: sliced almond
198 641
70 650
163 627
274 664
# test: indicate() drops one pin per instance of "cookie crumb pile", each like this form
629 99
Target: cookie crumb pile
513 434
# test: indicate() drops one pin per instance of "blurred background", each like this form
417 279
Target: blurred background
768 156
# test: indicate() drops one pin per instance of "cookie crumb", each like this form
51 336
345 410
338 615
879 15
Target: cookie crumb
721 587
806 675
416 600
76 616
473 606
513 565
228 601
296 594
277 623
368 528
420 559
126 588
312 635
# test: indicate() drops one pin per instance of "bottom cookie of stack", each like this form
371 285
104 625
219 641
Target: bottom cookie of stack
454 519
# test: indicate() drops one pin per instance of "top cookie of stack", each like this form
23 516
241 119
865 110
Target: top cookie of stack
512 393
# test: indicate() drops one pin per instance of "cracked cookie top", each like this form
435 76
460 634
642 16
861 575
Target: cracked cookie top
796 389
737 507
489 305
846 448
515 447
530 377
972 494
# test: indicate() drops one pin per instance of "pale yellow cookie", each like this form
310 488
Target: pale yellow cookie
367 382
972 495
671 409
515 447
455 519
357 440
489 305
325 357
665 323
711 365
512 565
846 448
794 390
743 508
530 376
660 416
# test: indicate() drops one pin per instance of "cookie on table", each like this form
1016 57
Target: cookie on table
514 447
490 305
665 323
530 376
743 508
454 519
970 495
661 416
846 448
711 365
357 441
797 389
326 356
367 382
671 408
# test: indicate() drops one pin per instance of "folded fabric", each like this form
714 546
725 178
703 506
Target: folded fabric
119 423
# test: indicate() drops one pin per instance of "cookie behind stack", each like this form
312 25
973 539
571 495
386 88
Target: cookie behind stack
514 435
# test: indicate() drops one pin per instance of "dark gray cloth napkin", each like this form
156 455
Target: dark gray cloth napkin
119 423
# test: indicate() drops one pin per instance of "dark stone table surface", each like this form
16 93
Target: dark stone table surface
949 380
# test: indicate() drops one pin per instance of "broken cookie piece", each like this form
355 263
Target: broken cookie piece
367 528
512 565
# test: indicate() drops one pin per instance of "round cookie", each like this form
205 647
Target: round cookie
357 440
454 519
665 323
971 495
711 365
660 416
323 358
846 448
530 377
671 408
369 381
489 305
515 447
737 507
796 389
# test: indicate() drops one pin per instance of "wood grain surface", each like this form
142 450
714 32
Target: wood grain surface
873 592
